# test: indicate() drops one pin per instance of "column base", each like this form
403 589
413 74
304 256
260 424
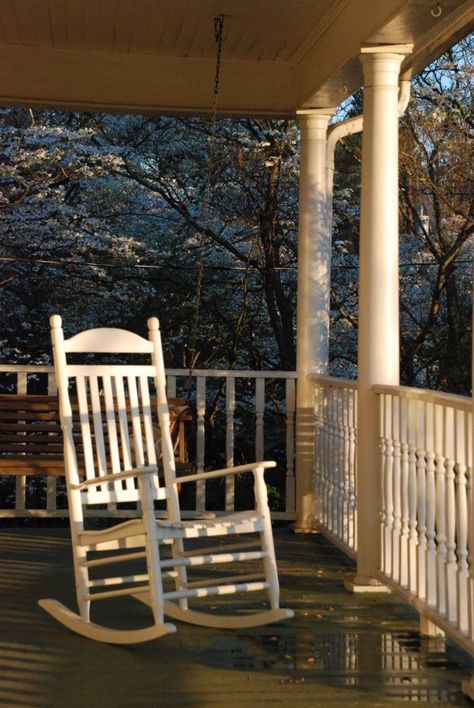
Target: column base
303 529
354 583
429 628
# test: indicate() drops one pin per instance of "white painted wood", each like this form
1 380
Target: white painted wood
259 414
421 499
440 475
51 482
450 502
378 331
314 264
114 438
405 531
20 481
435 430
290 390
200 439
461 521
412 498
431 597
245 621
397 490
387 483
184 373
103 634
159 56
431 435
353 468
229 441
470 453
126 442
171 386
334 466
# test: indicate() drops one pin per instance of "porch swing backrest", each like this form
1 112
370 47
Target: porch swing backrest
116 417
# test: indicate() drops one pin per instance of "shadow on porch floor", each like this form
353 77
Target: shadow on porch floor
339 650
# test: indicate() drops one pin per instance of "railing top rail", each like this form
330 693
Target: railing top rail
334 381
27 368
423 394
231 373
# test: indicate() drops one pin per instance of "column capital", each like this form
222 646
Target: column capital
308 115
381 63
313 122
402 49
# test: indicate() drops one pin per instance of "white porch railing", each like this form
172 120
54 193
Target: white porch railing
256 411
426 465
426 494
335 461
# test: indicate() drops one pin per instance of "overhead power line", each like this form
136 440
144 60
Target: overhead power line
176 266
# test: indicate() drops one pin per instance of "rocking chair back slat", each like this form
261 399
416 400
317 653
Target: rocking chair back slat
118 426
123 426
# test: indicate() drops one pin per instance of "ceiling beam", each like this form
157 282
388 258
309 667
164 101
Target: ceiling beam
93 81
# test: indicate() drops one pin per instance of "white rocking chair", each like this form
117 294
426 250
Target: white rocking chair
112 428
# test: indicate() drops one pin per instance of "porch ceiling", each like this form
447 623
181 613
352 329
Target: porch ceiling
159 55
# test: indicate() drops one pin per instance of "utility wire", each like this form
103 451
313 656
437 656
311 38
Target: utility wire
176 266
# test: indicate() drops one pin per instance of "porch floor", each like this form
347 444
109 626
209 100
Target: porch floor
339 650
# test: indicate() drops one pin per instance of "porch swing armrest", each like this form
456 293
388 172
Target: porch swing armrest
126 474
225 471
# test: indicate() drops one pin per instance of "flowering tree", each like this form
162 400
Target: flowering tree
436 225
110 218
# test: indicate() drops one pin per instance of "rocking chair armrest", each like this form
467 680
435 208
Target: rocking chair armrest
225 471
126 474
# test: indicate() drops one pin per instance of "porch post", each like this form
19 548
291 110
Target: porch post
314 271
468 684
378 357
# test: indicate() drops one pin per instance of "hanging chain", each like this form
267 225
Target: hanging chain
218 37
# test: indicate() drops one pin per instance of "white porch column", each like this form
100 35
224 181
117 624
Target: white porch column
468 684
314 272
378 357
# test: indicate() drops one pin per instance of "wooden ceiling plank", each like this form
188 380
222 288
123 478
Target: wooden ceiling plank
141 40
253 23
3 35
58 22
99 25
190 26
35 27
198 40
124 20
13 32
76 21
172 30
142 84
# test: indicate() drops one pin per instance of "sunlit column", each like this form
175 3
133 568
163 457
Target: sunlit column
378 357
468 684
314 266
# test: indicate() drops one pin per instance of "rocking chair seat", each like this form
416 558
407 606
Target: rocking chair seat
239 522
